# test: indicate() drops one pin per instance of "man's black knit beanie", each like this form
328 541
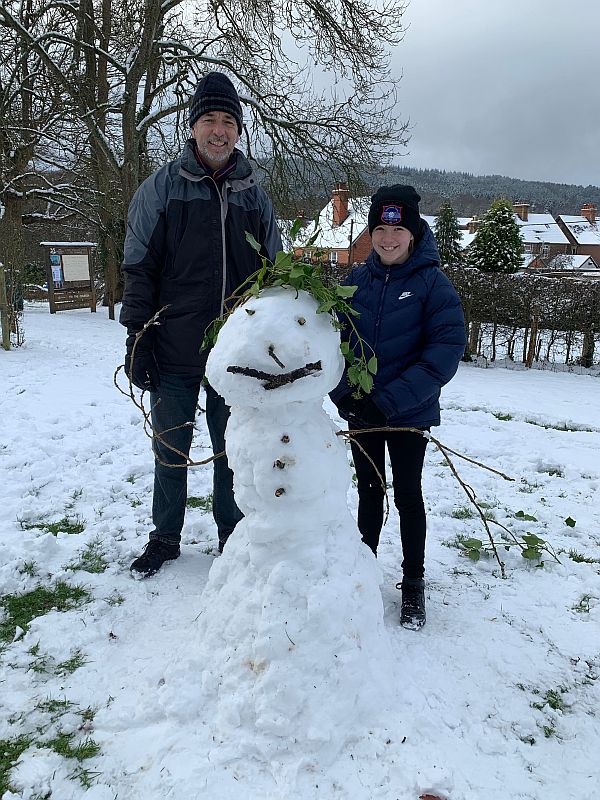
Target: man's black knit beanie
396 205
216 92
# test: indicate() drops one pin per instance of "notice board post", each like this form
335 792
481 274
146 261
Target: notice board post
70 272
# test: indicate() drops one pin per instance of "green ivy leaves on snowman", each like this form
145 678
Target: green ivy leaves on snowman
289 271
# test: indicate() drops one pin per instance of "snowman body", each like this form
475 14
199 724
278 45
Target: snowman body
293 636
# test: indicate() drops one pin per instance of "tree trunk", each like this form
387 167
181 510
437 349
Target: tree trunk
587 350
4 321
467 353
511 345
532 342
569 345
12 256
474 338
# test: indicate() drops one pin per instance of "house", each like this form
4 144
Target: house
574 267
541 234
531 262
582 232
343 236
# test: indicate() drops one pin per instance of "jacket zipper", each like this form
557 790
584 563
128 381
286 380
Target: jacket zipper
380 309
223 210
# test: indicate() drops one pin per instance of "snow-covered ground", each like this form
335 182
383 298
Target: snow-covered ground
497 697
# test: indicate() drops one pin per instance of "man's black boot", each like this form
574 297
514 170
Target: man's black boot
412 614
154 556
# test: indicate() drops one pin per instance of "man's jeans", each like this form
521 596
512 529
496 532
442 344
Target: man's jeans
172 406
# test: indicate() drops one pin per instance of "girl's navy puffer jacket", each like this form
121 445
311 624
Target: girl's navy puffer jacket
411 317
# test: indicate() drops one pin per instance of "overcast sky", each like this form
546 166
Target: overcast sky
509 87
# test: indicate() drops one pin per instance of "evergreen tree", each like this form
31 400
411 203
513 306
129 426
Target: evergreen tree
447 235
498 246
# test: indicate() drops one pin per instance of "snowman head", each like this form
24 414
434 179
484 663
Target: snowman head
275 349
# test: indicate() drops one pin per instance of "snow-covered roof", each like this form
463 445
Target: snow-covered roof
582 229
527 258
430 220
338 236
70 244
573 262
541 228
465 237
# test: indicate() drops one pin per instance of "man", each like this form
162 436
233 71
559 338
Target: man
186 249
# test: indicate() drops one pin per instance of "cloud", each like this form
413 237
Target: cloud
506 88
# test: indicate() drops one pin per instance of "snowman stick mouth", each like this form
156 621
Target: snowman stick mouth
275 381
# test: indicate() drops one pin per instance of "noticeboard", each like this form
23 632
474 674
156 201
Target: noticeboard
70 272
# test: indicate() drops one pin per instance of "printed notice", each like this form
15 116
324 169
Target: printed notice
75 267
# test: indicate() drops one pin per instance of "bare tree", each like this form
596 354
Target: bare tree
127 72
32 117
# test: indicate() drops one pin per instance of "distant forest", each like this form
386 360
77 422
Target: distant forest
472 194
468 194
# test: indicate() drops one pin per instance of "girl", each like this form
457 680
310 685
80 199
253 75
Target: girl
412 320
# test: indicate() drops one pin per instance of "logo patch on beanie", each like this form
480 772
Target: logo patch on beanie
391 215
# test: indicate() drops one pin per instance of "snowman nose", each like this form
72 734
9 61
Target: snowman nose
271 352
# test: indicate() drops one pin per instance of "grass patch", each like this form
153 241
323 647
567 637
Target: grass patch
91 559
11 751
65 525
56 708
464 512
551 698
503 417
581 558
205 504
29 568
63 746
69 666
115 599
44 664
40 662
563 427
22 608
583 605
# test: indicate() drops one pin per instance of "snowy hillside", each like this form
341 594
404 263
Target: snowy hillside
496 698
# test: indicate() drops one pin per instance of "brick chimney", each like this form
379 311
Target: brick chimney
521 210
340 196
589 212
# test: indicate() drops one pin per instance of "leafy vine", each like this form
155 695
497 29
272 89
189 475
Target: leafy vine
287 270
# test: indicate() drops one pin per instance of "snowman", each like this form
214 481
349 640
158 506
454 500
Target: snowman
294 647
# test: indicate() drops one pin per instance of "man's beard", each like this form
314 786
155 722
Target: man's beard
219 158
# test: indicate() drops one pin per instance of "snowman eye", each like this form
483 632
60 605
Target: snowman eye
301 321
250 311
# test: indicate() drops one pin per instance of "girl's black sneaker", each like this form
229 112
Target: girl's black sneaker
412 613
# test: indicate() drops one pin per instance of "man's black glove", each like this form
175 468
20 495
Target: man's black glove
363 413
143 369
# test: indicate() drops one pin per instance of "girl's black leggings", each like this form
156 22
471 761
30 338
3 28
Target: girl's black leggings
407 452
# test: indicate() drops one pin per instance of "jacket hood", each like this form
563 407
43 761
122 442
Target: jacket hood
425 254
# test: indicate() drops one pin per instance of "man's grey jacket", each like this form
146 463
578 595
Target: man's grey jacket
186 248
